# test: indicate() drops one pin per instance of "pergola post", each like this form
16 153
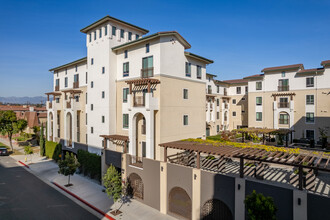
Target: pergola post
198 160
148 87
125 147
104 143
241 167
165 154
300 173
130 88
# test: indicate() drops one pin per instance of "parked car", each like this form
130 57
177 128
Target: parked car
3 151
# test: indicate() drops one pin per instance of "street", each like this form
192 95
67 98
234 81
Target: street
24 196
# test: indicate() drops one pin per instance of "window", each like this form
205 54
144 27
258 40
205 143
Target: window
283 85
185 120
218 102
122 33
100 33
94 35
125 120
92 61
86 78
114 29
310 134
126 69
283 74
137 36
188 69
218 89
218 128
147 48
147 67
57 82
309 99
258 100
246 90
92 84
258 85
309 117
76 68
129 35
66 71
86 97
92 130
243 99
234 114
103 70
284 103
103 94
90 37
125 54
185 93
259 116
284 119
125 93
218 115
238 90
76 98
86 118
234 101
105 30
76 78
66 82
57 100
310 82
199 72
103 118
92 107
209 89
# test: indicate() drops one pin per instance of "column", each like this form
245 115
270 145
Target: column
149 116
196 193
163 187
299 205
239 198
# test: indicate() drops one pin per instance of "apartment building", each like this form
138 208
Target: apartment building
290 97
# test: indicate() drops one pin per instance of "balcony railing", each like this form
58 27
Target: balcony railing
136 161
76 84
50 105
284 121
68 104
283 88
148 72
209 91
283 104
226 106
139 101
143 129
225 118
225 93
57 88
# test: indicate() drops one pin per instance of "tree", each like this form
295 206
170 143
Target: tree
42 141
68 166
10 125
114 188
260 207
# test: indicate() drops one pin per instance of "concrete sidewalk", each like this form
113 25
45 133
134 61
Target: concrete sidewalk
89 190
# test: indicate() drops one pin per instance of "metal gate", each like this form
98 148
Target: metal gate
180 202
216 209
135 186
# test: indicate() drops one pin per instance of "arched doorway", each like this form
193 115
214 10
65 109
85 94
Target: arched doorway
69 129
135 186
51 126
215 209
284 120
140 143
180 202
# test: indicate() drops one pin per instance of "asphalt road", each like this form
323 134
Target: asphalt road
24 196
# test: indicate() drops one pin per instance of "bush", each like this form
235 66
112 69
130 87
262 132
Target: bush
53 150
260 207
90 164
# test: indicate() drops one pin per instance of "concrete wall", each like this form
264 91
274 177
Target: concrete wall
317 207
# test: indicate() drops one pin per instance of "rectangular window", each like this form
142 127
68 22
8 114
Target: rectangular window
92 61
234 101
259 116
114 29
92 84
129 35
137 36
66 82
86 97
86 78
76 68
122 33
125 69
57 82
76 98
100 33
218 128
284 103
103 118
125 93
238 90
103 70
246 90
185 120
218 102
258 100
92 107
218 115
310 134
147 48
258 85
218 89
188 69
185 93
147 67
90 37
283 85
57 100
76 78
125 54
66 71
92 130
199 72
94 35
309 99
125 120
310 82
86 118
105 30
309 117
103 94
284 119
234 114
283 74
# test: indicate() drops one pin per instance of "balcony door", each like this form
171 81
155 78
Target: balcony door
147 67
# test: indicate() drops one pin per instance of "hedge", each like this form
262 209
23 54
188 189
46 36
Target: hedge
53 150
90 164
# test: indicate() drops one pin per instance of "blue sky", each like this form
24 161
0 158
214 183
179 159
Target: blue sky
242 37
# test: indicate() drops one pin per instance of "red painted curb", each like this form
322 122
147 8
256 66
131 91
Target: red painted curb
83 201
23 164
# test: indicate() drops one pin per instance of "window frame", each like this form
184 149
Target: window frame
260 98
188 69
308 101
238 90
125 125
257 87
125 97
257 113
310 84
125 69
308 118
198 72
113 30
185 94
185 116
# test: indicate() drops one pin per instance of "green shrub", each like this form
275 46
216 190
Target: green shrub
53 150
259 206
90 164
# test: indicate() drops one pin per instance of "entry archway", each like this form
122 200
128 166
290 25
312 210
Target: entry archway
135 186
180 202
215 209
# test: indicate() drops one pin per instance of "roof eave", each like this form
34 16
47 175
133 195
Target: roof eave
205 60
69 64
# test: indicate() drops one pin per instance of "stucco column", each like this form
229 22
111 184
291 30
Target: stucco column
150 134
299 205
196 194
163 187
239 198
132 134
124 167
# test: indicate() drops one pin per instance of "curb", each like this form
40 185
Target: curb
83 201
24 164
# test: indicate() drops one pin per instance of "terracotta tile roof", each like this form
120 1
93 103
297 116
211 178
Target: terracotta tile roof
234 81
254 76
20 108
276 68
315 70
42 115
325 62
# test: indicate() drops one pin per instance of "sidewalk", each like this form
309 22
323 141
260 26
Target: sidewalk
89 190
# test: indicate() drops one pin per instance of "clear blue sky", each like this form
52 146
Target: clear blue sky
242 37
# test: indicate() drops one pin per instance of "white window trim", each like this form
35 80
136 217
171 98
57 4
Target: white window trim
310 123
261 117
183 119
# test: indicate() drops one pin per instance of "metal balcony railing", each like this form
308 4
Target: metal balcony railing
57 88
136 161
283 88
283 104
283 121
68 104
50 105
139 101
76 84
148 72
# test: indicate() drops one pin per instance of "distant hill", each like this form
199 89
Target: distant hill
23 100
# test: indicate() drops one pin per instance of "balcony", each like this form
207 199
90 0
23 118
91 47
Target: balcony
136 161
50 105
57 88
283 121
226 106
283 88
68 104
148 72
76 85
139 101
225 118
209 91
225 93
283 105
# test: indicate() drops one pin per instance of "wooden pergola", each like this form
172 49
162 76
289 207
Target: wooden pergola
210 97
72 91
114 138
291 94
310 160
142 82
53 94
